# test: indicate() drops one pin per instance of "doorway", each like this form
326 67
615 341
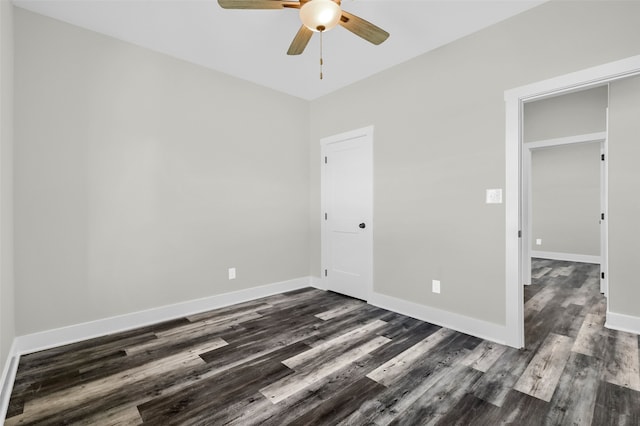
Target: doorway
347 213
515 99
562 216
564 202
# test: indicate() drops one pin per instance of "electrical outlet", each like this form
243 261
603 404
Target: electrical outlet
538 241
435 286
232 273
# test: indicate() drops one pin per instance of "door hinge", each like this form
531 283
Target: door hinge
325 216
602 157
325 160
602 216
325 272
602 275
519 234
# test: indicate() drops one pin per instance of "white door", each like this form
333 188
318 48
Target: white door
347 213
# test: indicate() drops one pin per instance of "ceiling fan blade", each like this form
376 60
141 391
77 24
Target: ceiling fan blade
257 4
300 41
362 28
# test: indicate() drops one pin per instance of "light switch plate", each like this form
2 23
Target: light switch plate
435 286
538 241
232 273
494 196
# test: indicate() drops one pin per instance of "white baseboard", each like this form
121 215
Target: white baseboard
623 322
568 257
61 336
317 283
482 329
88 330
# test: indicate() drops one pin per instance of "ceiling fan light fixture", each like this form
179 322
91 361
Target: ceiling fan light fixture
320 15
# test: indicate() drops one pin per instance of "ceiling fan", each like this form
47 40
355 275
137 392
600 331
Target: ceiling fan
316 16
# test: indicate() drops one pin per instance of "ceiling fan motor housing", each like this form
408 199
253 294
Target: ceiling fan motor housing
320 15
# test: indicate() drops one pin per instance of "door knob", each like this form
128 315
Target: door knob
362 225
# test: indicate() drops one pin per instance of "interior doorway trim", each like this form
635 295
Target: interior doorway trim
527 201
514 100
365 140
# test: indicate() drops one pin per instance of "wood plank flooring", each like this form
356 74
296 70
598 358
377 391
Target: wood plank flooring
310 357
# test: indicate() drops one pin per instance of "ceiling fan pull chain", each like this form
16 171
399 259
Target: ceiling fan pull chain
321 61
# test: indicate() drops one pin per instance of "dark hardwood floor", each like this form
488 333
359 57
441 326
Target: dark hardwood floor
313 357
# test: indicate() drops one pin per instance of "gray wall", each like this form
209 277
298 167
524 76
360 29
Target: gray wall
577 113
7 318
566 180
139 179
565 189
440 142
624 197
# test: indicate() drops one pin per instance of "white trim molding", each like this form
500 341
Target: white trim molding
568 140
569 257
8 378
514 101
317 283
482 329
623 322
88 330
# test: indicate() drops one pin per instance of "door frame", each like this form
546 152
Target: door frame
527 196
604 208
366 133
514 101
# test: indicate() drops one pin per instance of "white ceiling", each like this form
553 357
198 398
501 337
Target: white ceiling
252 44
